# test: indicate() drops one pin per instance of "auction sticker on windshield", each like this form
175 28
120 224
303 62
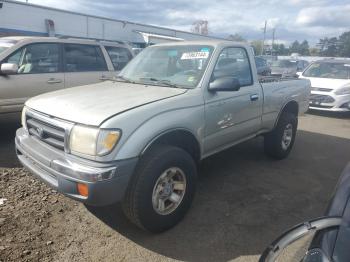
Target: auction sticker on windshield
195 55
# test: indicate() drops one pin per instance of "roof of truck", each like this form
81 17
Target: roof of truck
213 42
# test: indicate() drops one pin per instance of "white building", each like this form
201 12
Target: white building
19 18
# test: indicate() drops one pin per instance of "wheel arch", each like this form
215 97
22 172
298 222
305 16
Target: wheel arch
179 137
291 106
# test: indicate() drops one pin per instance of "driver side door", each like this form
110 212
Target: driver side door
39 71
232 116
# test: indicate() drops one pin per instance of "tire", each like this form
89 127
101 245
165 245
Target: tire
140 205
275 142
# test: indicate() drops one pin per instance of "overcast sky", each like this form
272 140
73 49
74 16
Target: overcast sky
293 19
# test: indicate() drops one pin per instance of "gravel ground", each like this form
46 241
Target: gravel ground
244 201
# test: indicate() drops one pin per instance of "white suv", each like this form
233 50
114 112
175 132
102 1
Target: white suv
30 66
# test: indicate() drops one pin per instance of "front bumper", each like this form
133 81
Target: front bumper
340 103
107 182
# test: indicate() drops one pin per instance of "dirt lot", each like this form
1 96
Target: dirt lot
244 201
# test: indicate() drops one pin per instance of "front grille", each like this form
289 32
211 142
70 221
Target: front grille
321 106
315 98
48 133
321 89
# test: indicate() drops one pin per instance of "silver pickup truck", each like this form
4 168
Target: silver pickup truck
138 139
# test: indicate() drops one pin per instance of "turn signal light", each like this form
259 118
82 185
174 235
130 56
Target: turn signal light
83 189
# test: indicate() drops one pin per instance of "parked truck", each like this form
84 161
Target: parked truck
139 138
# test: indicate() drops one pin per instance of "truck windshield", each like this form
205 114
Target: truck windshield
328 70
5 44
173 66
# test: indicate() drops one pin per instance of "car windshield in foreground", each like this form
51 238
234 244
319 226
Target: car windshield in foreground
6 44
179 66
328 70
283 63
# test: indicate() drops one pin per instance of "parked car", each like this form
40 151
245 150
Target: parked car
262 67
139 143
301 65
288 68
30 66
284 68
330 242
330 81
269 58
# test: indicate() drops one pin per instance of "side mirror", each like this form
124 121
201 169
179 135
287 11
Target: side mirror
8 69
299 74
225 84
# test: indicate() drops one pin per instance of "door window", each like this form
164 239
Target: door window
36 59
234 62
83 58
119 56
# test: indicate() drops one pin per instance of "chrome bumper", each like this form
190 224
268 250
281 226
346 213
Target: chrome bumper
107 183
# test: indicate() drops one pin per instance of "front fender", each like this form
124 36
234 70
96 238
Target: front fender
190 119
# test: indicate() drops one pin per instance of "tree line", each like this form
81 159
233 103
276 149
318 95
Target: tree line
333 46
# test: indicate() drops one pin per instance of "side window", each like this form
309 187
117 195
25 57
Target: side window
234 62
15 58
119 56
37 59
83 58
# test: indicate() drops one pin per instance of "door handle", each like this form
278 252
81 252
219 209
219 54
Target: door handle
104 78
254 97
54 81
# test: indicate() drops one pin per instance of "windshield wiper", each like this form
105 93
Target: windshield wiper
163 82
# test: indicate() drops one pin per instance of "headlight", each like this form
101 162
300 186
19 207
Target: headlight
23 118
345 90
93 141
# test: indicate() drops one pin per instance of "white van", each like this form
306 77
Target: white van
30 66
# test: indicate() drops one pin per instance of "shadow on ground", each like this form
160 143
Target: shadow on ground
245 200
8 156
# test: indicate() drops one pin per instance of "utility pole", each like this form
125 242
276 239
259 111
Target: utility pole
273 40
263 43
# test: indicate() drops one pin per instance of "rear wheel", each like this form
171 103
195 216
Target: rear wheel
279 142
162 189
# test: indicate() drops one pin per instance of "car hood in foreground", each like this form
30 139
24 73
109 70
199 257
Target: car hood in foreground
93 104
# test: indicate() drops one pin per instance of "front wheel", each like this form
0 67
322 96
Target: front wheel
279 142
162 189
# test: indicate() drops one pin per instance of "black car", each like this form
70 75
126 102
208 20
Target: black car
331 240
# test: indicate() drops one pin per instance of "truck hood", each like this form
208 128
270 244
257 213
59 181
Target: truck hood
92 104
317 82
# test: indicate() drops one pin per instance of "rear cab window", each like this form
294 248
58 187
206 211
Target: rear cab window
119 56
83 58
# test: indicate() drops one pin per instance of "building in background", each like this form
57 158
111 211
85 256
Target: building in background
19 18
